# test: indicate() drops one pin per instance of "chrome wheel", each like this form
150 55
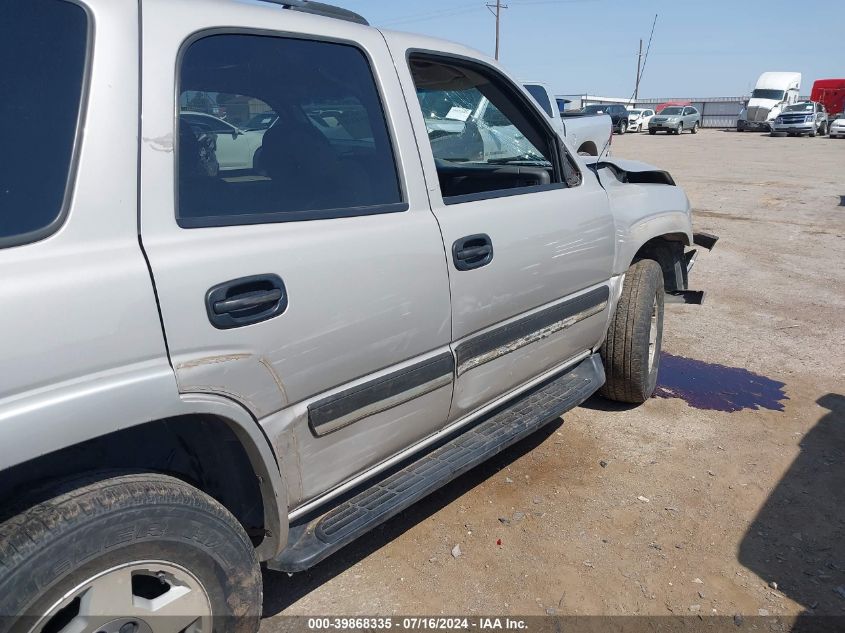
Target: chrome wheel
652 335
138 597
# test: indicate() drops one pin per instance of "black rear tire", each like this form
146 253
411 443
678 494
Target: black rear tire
631 359
92 526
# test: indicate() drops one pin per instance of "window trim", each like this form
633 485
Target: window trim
281 217
559 150
58 222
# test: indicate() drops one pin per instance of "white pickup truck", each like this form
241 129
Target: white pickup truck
588 135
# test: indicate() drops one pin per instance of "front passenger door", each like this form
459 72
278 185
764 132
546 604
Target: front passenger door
529 245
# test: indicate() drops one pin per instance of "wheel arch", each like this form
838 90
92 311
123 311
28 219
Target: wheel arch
589 148
209 442
668 251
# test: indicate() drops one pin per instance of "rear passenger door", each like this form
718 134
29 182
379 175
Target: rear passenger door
312 287
528 233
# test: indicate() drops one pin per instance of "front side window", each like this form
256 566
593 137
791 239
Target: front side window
278 129
484 139
43 49
540 96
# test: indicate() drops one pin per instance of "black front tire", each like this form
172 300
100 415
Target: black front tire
631 358
91 526
652 132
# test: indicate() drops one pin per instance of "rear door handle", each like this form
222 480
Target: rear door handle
472 251
246 301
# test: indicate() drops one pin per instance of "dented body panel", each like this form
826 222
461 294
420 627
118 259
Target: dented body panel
646 204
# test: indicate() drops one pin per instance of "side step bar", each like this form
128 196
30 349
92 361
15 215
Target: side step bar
689 297
314 538
705 240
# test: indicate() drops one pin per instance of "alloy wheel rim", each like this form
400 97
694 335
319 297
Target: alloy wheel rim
136 597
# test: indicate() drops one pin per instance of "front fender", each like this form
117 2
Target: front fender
646 204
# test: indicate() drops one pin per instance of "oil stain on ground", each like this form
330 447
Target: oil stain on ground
717 387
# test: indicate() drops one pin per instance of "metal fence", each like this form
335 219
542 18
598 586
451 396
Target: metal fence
715 111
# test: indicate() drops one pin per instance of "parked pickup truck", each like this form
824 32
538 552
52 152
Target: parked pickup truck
588 135
618 115
204 371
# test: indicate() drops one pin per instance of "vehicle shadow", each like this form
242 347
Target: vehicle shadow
281 590
797 539
597 403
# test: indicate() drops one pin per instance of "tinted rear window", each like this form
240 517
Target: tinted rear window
323 151
42 66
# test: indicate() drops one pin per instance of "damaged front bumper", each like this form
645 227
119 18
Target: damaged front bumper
692 297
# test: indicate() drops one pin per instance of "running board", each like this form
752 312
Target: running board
705 240
315 537
689 297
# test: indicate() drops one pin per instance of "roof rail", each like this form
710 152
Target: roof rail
319 8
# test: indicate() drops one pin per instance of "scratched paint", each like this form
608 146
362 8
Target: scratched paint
716 387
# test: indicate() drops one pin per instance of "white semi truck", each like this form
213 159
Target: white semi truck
773 92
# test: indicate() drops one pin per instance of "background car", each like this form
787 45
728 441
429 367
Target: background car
638 120
805 117
837 126
675 120
236 148
618 115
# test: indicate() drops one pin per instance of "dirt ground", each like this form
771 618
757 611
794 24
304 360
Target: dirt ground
695 503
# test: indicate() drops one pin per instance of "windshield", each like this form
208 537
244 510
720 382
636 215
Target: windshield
453 105
635 112
465 126
799 107
762 93
672 111
595 109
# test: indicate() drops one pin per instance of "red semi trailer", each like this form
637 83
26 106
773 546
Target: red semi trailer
830 93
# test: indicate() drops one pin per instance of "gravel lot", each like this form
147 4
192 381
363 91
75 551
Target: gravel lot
689 505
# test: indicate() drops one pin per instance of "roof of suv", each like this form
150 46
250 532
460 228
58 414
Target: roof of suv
320 8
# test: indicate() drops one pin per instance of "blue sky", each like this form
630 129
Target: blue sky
714 48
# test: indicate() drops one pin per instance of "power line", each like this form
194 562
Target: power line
641 72
431 15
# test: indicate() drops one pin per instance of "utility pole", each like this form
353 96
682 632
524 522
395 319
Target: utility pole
498 13
639 70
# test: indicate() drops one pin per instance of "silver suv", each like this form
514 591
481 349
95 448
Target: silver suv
226 345
675 120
